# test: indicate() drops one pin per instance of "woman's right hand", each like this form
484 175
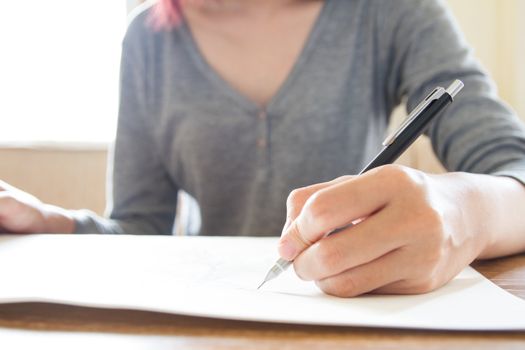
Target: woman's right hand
21 212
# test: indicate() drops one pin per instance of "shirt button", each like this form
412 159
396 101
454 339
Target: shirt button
262 115
261 143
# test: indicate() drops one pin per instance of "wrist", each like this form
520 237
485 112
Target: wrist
470 216
506 207
58 220
492 207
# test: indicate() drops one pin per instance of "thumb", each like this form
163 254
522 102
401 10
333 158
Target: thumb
294 205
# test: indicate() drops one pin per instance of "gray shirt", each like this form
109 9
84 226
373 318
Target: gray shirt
182 127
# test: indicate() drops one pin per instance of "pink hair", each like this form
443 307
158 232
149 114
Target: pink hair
166 14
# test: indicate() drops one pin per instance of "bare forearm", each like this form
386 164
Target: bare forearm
58 220
500 213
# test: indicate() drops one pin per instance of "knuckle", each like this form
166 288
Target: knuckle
433 259
297 238
394 171
429 220
343 178
328 258
317 209
402 177
434 217
8 201
339 286
295 202
425 286
299 271
433 225
429 265
295 196
293 230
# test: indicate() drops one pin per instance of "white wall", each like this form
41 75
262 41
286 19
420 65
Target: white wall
71 178
496 30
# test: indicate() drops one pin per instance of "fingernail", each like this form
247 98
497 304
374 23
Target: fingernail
287 250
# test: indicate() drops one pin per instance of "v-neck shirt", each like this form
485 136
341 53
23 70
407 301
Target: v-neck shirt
221 84
182 127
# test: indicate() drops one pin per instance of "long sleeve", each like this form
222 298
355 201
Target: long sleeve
143 197
478 133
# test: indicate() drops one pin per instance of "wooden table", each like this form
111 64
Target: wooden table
32 325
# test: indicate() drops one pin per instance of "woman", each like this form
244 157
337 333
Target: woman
240 102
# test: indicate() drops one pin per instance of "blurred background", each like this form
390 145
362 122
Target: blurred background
59 85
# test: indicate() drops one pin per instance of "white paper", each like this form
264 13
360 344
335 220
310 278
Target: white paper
218 277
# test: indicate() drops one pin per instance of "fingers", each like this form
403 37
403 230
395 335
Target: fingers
399 241
296 200
332 207
298 197
407 287
362 279
17 213
354 246
294 205
5 203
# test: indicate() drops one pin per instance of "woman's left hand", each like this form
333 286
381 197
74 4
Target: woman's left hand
412 232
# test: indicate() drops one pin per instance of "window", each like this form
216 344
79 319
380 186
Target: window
59 70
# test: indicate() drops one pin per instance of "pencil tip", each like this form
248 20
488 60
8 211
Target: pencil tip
260 285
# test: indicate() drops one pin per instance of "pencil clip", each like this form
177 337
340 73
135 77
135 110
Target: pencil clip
434 95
